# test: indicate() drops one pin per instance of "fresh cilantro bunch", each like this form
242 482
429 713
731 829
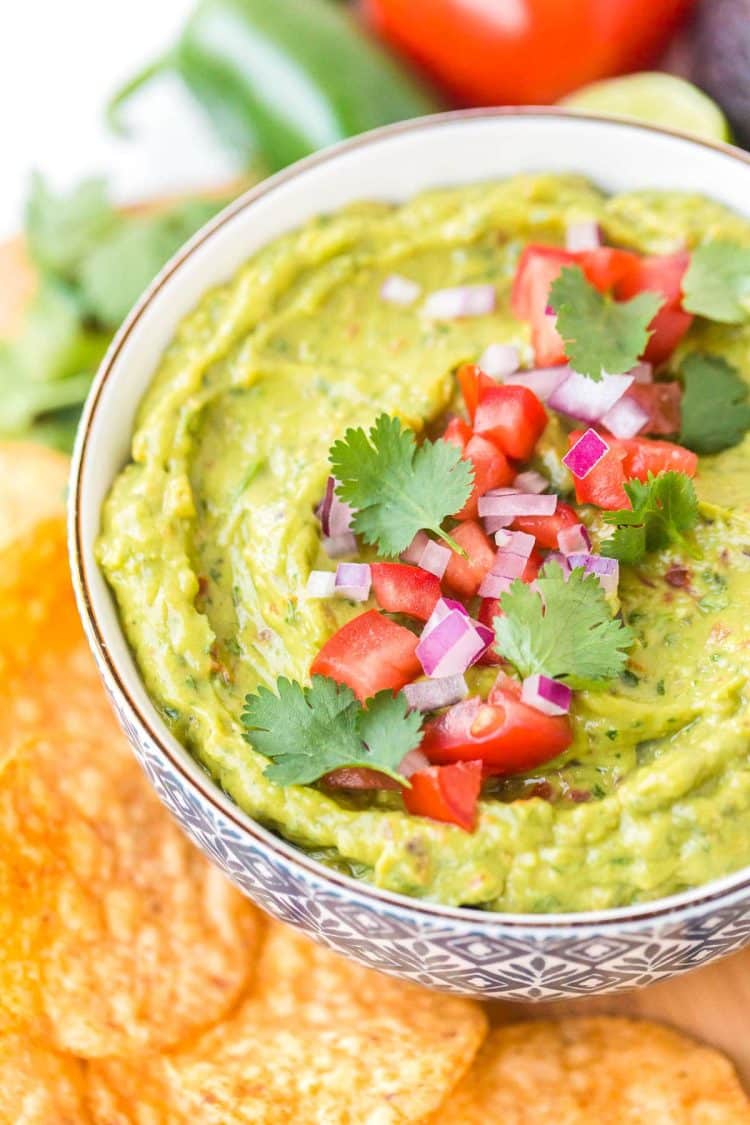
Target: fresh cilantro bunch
564 629
602 336
717 282
664 510
309 731
397 487
93 263
715 410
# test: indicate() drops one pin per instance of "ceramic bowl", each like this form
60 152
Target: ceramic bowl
521 957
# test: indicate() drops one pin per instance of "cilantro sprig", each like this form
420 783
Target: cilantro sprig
665 510
309 731
717 282
564 629
715 410
602 336
397 487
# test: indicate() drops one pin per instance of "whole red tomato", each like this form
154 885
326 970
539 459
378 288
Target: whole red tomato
494 52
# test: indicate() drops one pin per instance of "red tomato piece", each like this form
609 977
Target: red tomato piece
606 266
660 274
446 793
399 588
512 418
370 653
457 432
491 470
603 485
537 268
546 528
472 381
464 576
663 402
506 735
647 455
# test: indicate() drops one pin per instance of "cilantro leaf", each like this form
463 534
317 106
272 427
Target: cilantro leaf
602 336
62 229
717 282
309 731
565 630
396 487
664 509
715 410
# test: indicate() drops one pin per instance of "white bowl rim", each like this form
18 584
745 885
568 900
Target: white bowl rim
667 910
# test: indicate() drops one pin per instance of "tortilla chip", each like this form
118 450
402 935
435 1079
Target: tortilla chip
39 1086
33 483
318 1039
603 1071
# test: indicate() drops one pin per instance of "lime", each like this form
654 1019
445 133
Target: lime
657 99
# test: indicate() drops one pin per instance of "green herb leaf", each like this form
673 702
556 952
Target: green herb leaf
62 229
396 487
602 336
715 410
665 509
565 630
717 282
309 731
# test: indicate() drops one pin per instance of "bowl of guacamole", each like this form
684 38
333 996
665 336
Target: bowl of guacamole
411 529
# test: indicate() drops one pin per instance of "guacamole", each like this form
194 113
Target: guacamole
209 535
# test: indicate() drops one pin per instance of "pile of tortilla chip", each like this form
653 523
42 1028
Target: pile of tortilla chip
138 987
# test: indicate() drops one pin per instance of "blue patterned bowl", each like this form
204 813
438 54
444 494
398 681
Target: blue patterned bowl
520 957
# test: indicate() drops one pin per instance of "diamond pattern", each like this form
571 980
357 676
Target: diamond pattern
477 954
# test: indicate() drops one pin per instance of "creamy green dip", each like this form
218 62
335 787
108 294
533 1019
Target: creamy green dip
208 537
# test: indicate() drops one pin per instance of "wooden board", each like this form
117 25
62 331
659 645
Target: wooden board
712 1004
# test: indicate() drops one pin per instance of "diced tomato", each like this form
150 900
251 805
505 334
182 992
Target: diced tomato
457 432
603 485
663 403
399 588
647 455
606 266
512 418
491 470
660 274
359 777
545 528
370 653
506 735
464 576
446 793
472 381
538 267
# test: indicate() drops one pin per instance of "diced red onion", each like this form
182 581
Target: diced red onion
606 570
494 585
431 695
559 559
549 311
572 540
585 455
500 360
517 504
398 290
515 543
463 300
531 481
642 373
415 550
543 381
582 398
321 583
626 418
413 762
338 546
451 647
497 523
353 581
546 695
485 634
435 558
508 565
583 235
443 607
335 516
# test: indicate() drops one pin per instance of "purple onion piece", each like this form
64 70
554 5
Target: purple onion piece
531 481
435 558
546 695
321 584
606 570
642 373
443 607
543 381
399 290
518 504
572 540
353 581
508 565
583 235
554 557
413 552
582 398
450 647
515 543
493 524
626 418
499 360
431 695
335 516
340 546
585 455
463 300
415 761
494 586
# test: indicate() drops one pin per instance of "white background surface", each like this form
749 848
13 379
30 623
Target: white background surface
59 62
